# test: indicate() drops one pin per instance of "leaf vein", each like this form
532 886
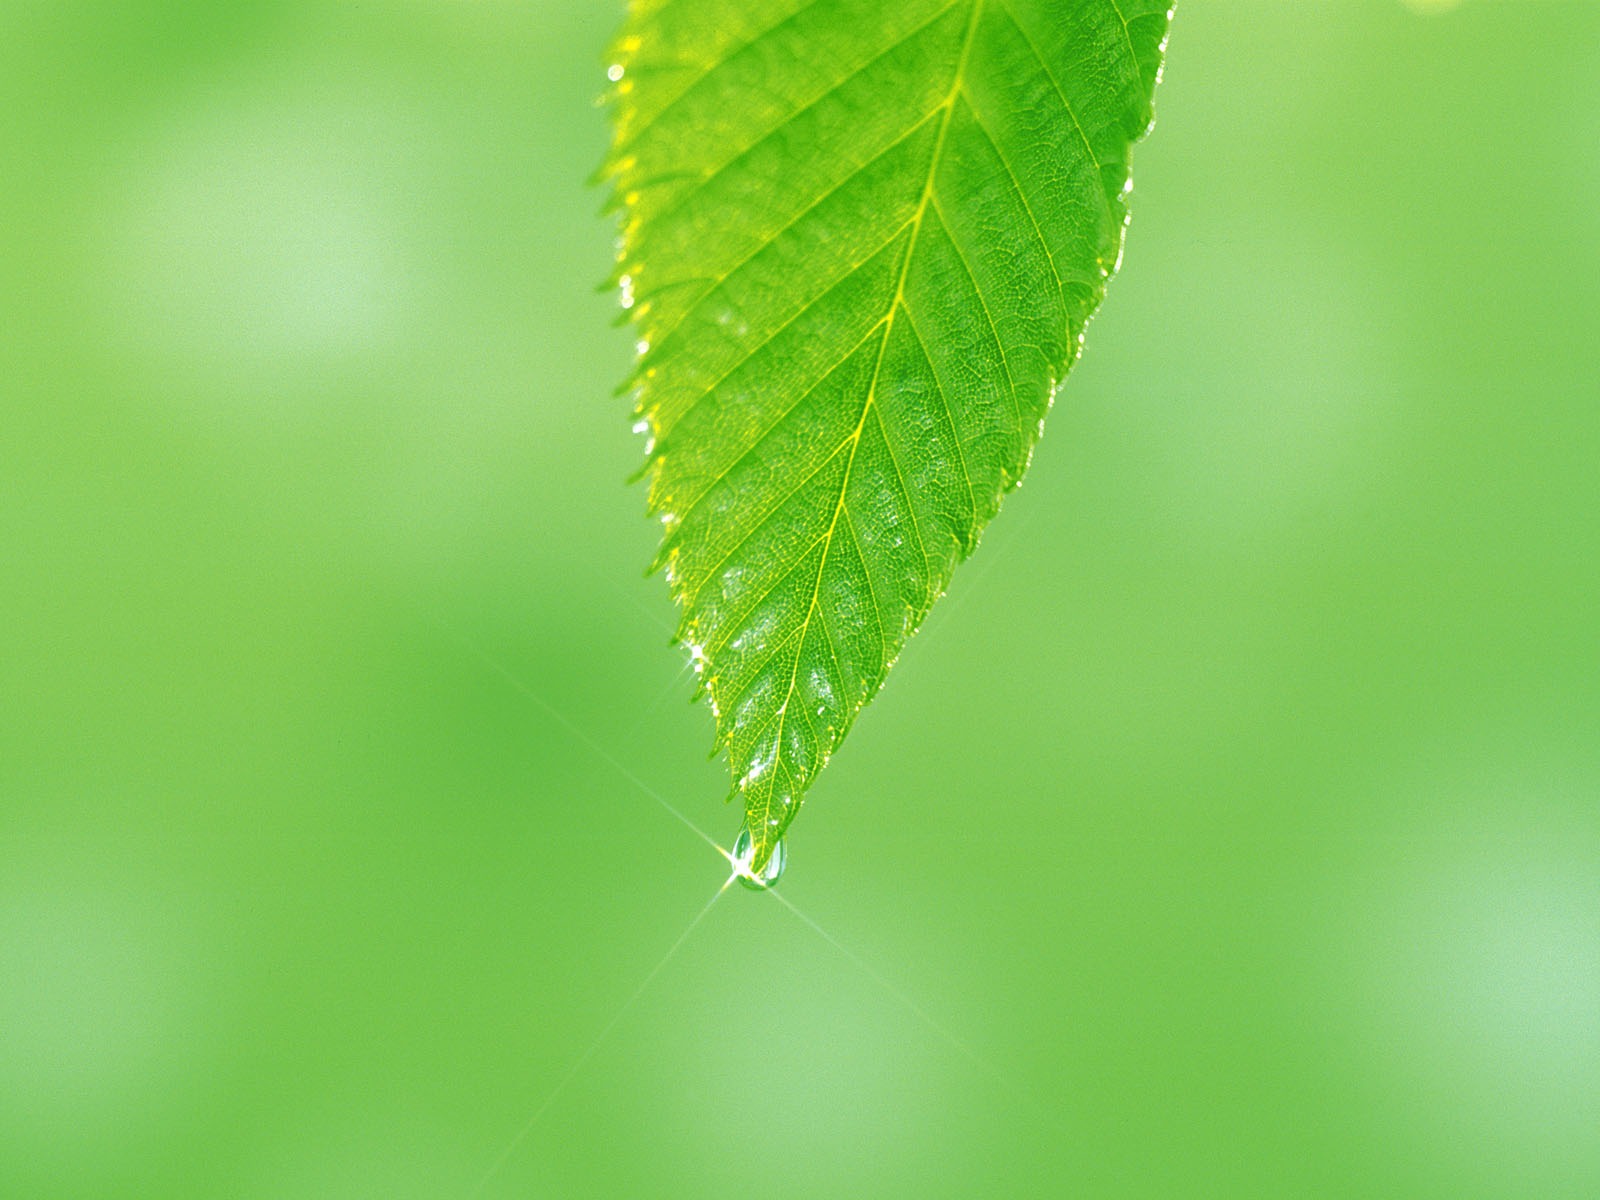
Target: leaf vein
1066 103
895 305
794 223
722 168
710 69
988 316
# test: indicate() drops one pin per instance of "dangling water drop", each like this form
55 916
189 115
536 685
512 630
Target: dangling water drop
744 853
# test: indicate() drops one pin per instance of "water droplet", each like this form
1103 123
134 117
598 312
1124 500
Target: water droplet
697 656
615 72
744 852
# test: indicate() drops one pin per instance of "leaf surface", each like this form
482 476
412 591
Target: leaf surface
861 241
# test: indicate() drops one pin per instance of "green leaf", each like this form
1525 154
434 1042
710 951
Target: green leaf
861 241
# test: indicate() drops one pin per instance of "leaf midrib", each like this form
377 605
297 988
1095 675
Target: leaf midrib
867 406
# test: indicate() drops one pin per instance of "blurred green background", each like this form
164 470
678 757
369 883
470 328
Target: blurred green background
1239 811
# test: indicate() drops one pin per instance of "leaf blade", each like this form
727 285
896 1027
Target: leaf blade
862 241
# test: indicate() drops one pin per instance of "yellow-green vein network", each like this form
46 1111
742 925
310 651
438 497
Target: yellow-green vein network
861 241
